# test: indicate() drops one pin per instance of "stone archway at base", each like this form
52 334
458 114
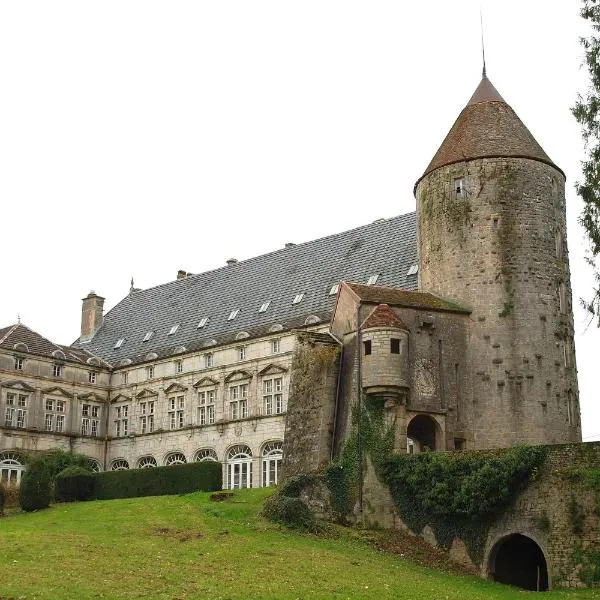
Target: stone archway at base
517 560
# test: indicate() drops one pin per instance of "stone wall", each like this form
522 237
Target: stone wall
501 250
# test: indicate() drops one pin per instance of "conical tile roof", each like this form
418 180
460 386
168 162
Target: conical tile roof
487 127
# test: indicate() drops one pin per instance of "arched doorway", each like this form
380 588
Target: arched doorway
421 434
517 560
272 455
11 468
239 467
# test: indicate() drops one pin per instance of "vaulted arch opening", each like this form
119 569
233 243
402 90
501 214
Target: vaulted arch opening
422 435
517 560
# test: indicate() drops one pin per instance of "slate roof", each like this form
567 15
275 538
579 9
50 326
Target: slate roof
383 316
393 296
487 127
38 345
386 247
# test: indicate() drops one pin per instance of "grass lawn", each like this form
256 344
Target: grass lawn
183 547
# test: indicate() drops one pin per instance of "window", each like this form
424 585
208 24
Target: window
238 401
334 289
119 464
90 419
233 314
149 372
206 407
176 411
119 343
241 352
264 306
124 377
206 454
148 335
175 458
147 417
121 420
19 363
57 370
54 417
239 468
413 270
275 346
459 187
297 298
367 346
373 279
15 414
92 377
178 366
173 329
272 456
208 360
146 462
11 469
203 322
273 396
394 346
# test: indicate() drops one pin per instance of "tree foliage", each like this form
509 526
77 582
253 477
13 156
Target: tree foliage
587 113
35 490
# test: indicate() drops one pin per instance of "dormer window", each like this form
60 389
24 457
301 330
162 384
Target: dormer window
413 270
459 187
148 336
203 322
173 329
233 314
119 343
334 289
373 279
264 306
297 298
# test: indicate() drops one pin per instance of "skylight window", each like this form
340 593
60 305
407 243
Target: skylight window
373 279
297 298
264 306
148 336
203 322
173 329
119 343
233 314
414 269
334 289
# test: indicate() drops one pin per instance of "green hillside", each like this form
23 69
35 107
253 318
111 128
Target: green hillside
183 547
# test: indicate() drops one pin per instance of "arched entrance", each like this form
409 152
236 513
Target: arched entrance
272 455
239 467
11 468
517 560
422 434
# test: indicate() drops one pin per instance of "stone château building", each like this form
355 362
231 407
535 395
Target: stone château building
458 315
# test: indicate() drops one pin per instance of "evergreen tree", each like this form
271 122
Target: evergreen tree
587 113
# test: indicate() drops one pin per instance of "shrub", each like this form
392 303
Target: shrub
34 492
288 511
2 498
158 481
73 483
56 461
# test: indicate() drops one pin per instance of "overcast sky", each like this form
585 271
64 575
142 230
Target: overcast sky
139 138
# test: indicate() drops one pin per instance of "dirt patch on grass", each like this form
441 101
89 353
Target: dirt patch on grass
221 496
182 535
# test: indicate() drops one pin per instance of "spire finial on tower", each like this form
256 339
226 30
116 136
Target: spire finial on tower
483 74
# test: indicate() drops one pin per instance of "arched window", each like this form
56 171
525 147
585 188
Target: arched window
94 465
206 454
175 458
239 467
272 456
146 462
11 468
120 464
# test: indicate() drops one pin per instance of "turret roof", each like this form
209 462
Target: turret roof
383 316
487 127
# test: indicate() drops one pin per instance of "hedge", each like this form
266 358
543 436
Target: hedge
73 483
2 498
35 488
158 481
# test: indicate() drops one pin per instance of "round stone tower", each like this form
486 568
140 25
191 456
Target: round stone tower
492 236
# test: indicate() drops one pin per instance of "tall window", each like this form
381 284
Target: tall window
124 377
54 417
90 419
206 407
121 420
208 360
176 409
147 417
241 352
19 363
15 414
238 401
178 366
272 455
92 377
57 370
149 372
239 467
275 346
273 395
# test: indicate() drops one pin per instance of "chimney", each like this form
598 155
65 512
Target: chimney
91 316
181 274
289 244
231 261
